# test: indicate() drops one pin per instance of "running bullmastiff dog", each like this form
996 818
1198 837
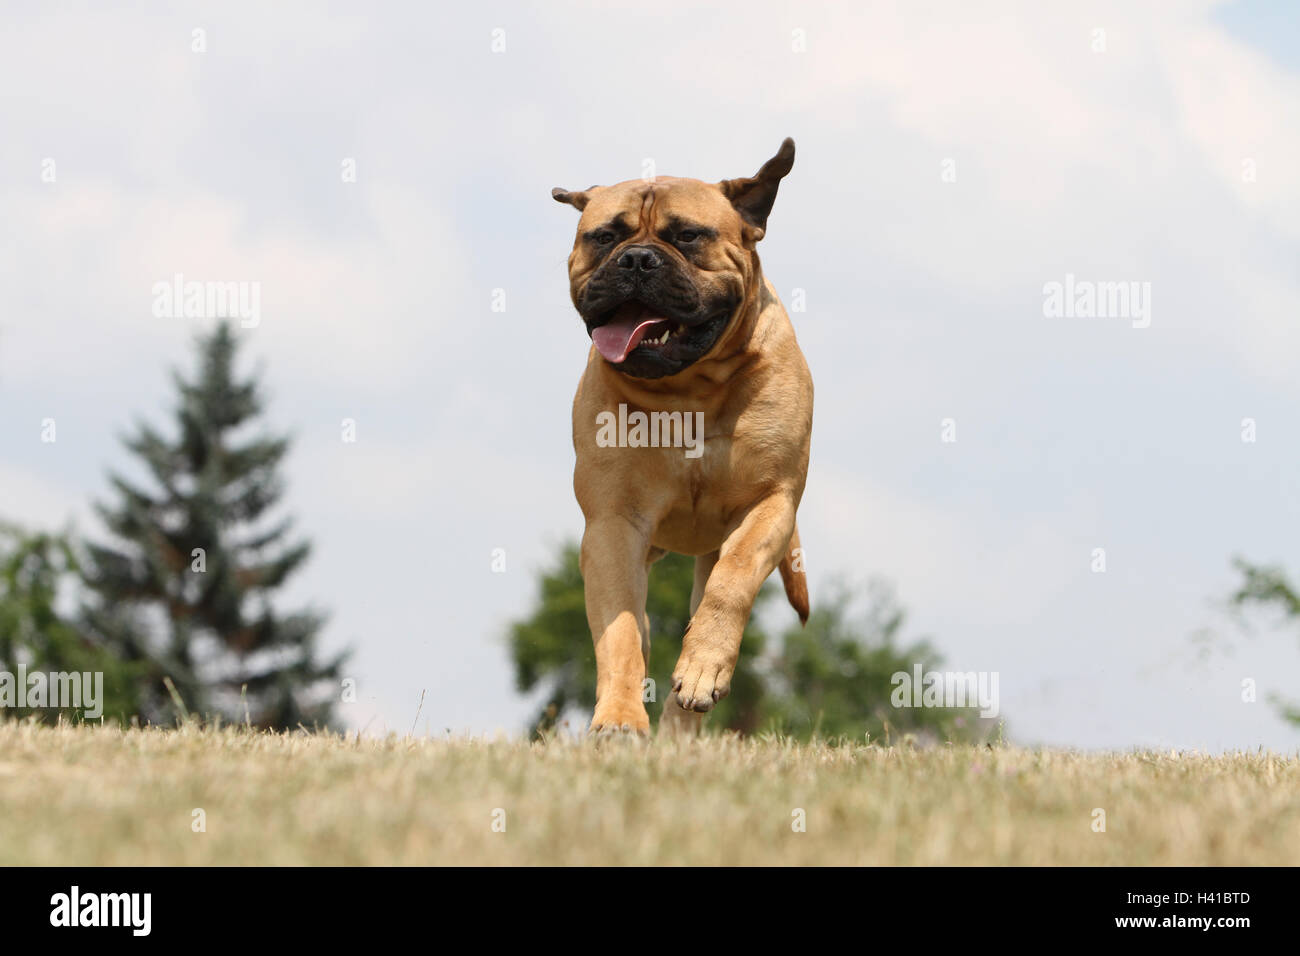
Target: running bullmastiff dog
691 426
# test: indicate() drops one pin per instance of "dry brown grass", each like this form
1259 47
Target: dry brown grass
107 796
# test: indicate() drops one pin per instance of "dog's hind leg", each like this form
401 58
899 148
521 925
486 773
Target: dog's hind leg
703 568
655 554
675 720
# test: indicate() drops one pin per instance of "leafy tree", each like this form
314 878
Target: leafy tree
831 678
184 591
1267 587
835 676
34 569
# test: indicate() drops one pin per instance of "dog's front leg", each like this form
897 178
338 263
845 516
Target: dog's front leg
711 645
614 573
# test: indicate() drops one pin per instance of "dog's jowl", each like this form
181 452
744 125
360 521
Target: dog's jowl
691 426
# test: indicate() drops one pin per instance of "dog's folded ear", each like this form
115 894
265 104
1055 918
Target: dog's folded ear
753 197
578 200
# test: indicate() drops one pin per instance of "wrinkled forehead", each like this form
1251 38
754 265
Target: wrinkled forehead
659 202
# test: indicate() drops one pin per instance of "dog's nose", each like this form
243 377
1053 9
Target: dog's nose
639 259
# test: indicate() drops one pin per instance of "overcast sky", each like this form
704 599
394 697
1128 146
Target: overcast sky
952 161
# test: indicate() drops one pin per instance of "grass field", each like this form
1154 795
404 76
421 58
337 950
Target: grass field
107 796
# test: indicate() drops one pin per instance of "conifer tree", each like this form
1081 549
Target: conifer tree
184 592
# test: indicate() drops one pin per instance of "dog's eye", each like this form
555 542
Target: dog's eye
604 238
689 235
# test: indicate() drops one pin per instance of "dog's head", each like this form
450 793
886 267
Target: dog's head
661 267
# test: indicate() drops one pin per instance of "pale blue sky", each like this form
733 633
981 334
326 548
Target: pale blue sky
924 303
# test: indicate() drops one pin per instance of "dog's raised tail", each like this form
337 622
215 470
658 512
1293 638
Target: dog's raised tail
795 578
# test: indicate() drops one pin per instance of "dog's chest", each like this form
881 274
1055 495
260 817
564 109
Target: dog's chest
706 495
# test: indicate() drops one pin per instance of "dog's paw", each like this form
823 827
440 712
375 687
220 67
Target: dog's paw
700 681
616 720
623 732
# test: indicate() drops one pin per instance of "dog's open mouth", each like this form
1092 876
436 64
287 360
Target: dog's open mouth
633 325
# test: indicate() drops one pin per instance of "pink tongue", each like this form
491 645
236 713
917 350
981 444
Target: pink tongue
621 335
